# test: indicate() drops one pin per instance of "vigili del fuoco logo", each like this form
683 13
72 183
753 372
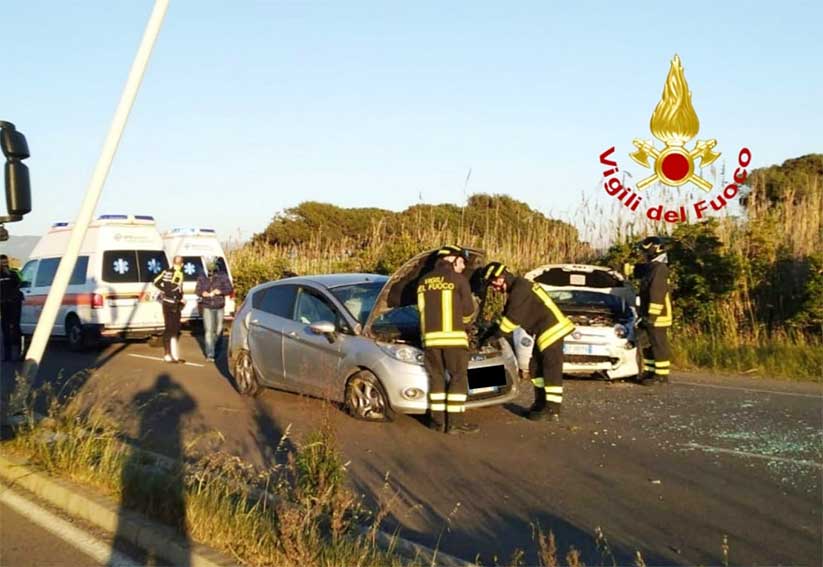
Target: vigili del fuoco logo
674 122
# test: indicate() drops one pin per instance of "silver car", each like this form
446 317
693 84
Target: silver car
601 304
355 339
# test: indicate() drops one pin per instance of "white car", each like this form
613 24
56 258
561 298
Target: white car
601 304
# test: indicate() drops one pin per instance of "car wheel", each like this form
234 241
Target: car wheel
245 375
75 333
366 399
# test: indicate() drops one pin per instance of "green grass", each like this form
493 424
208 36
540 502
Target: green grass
777 357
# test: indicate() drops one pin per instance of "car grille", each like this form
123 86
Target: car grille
490 380
588 359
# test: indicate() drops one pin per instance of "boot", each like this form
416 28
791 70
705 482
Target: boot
544 414
437 421
175 351
457 425
539 400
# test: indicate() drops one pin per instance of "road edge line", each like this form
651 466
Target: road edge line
147 534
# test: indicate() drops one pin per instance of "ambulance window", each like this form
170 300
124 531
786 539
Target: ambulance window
78 276
120 266
152 262
192 268
45 275
27 273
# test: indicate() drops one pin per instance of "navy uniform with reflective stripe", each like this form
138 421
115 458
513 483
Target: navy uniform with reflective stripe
170 283
445 303
656 309
530 307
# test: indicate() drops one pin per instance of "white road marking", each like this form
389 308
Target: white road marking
755 390
160 359
710 449
77 538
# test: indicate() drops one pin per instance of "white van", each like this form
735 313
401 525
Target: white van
110 293
197 246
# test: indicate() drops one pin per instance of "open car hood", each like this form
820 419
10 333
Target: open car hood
401 289
584 277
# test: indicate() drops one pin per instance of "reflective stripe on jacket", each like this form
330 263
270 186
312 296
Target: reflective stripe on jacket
530 307
444 300
655 298
170 283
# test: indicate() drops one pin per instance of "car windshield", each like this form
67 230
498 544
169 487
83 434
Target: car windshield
583 298
359 299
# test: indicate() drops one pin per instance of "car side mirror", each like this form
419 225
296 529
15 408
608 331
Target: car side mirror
323 328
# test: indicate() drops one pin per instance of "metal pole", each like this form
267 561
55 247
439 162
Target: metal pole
61 279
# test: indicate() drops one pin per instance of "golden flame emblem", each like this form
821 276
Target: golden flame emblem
674 122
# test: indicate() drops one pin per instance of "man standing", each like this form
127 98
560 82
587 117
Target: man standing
11 303
655 309
529 306
170 284
446 307
212 289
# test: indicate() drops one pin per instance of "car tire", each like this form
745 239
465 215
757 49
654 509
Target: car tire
245 376
366 398
75 334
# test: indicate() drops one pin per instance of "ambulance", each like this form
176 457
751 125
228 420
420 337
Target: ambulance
198 247
110 293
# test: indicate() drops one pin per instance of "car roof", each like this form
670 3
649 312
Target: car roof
335 280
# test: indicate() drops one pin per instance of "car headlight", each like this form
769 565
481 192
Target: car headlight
403 353
621 331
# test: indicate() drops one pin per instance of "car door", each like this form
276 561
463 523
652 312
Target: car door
312 361
29 312
270 315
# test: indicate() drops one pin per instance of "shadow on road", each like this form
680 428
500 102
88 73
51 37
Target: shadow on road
154 490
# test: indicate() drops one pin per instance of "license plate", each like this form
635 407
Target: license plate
484 390
577 349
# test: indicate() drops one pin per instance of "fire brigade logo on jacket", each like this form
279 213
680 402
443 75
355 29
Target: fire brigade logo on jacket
679 162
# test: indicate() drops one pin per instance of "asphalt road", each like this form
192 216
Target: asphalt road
668 470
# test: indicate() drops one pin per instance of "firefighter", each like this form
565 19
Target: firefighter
446 307
170 284
11 303
655 309
530 307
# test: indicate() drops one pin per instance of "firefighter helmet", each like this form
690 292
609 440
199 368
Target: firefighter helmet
450 250
494 270
652 246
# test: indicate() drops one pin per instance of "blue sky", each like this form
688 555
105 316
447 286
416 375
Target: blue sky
251 107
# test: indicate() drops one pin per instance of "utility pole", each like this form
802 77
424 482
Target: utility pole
61 279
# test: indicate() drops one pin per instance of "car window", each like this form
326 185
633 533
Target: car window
276 300
120 266
27 273
45 274
152 262
78 275
359 299
311 308
192 268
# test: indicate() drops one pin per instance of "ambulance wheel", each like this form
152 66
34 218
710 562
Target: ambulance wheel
245 376
155 341
75 334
